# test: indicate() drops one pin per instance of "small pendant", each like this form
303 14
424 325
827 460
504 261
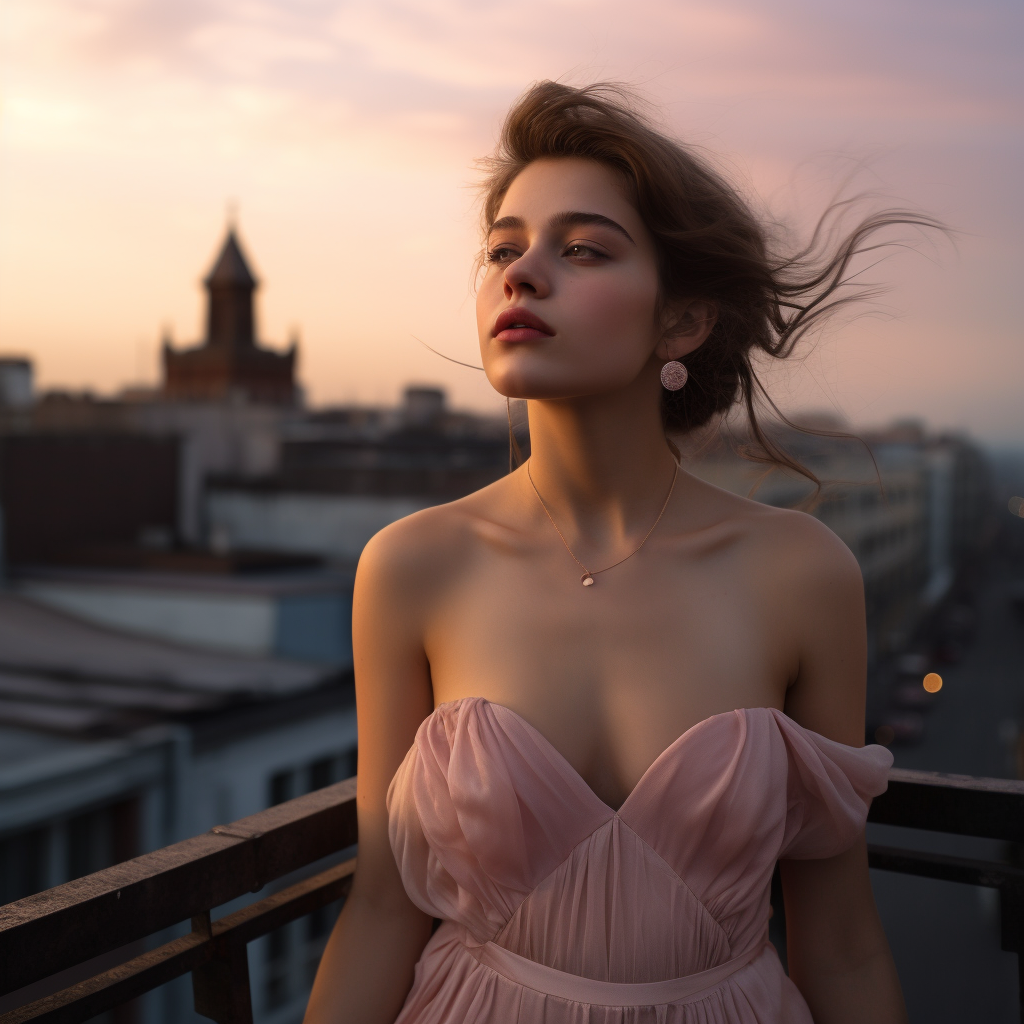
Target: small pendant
587 580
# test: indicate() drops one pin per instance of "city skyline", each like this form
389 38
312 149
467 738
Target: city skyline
346 137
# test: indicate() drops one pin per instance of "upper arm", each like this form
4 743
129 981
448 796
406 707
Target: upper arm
825 607
367 966
833 927
392 679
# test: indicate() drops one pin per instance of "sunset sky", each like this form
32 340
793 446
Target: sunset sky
345 135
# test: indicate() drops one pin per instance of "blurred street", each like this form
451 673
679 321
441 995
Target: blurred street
945 937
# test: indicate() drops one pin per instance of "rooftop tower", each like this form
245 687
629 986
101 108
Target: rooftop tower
229 363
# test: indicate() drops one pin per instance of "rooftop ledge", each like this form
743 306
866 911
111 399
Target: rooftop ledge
57 930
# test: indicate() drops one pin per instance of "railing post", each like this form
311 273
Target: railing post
220 988
1011 914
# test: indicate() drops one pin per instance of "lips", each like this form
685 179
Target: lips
518 324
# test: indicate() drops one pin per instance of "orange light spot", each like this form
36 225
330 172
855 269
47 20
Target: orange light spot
932 682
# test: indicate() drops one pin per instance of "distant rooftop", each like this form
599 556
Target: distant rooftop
65 676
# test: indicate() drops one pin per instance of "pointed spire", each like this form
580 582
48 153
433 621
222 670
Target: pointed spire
231 268
230 286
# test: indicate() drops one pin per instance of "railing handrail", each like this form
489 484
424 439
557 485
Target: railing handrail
214 952
52 930
954 804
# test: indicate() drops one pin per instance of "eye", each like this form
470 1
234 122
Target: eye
580 252
502 254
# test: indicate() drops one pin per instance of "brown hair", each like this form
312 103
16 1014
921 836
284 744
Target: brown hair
710 246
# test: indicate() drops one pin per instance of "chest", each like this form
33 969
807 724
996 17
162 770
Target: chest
614 672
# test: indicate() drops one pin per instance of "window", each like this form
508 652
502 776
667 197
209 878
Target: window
318 928
276 984
292 782
100 838
89 845
347 765
292 956
282 787
22 865
321 773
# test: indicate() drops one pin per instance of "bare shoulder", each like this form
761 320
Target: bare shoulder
782 546
811 585
410 554
400 584
802 549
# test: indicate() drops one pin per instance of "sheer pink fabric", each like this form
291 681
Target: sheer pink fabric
558 909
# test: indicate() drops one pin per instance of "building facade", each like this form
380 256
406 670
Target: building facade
344 474
114 744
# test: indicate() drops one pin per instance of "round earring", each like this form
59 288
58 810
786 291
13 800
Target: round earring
673 375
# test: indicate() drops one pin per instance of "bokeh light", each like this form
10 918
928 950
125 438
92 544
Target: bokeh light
932 682
885 734
1016 506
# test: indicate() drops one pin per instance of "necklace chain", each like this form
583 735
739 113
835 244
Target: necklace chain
587 579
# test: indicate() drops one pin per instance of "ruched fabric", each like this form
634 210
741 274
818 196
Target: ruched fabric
558 909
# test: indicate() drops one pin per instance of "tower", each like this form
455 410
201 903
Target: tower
230 286
230 363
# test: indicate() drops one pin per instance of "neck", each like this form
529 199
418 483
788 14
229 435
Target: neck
601 464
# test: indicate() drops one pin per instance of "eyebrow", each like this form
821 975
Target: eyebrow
567 219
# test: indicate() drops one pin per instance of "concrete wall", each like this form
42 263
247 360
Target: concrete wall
232 780
216 437
334 525
238 623
56 778
285 622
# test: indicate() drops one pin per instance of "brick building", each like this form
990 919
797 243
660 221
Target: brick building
229 362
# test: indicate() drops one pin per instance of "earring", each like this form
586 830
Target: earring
673 375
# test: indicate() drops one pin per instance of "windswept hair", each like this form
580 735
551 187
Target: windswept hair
710 245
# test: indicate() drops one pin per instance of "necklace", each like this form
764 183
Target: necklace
587 579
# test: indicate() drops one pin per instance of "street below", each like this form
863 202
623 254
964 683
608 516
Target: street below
945 936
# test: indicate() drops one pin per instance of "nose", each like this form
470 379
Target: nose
527 276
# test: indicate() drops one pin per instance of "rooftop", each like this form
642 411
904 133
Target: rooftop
63 676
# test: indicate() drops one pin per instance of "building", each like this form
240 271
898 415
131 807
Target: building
285 611
229 363
113 744
157 679
16 391
75 497
344 474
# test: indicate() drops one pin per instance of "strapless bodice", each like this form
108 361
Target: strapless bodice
542 886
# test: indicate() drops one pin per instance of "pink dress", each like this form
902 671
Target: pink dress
559 910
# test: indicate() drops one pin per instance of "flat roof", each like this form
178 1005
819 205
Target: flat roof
61 675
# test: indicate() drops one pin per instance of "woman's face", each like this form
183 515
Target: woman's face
568 303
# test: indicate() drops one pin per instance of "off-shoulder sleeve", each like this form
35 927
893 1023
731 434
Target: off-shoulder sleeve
830 787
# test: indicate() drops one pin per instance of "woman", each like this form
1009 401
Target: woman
600 698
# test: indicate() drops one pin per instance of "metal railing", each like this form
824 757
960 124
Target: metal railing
965 806
45 934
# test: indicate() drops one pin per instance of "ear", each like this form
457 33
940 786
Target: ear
688 324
